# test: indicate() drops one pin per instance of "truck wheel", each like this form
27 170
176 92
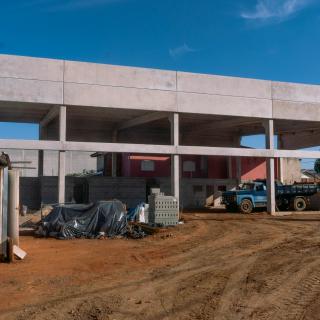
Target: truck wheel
299 204
246 206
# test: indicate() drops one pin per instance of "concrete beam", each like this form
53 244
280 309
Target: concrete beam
154 149
218 125
149 117
222 151
51 115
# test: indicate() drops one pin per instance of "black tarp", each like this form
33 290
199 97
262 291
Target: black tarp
104 218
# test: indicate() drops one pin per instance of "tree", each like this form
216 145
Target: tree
317 166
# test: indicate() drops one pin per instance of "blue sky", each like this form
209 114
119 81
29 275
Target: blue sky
266 39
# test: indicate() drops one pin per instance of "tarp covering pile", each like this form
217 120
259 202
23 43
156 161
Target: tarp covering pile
102 219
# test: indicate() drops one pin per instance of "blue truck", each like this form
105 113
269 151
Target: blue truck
252 195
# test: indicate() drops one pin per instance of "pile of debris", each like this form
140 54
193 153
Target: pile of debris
109 219
104 219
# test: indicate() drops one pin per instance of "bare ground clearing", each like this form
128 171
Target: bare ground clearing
216 266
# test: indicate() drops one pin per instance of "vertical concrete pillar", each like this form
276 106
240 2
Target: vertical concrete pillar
239 169
62 177
114 156
175 159
280 161
62 155
230 174
3 211
42 136
271 192
13 206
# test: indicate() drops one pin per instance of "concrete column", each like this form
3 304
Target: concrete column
62 155
114 156
42 136
62 177
271 192
280 161
13 206
239 170
62 123
175 159
230 174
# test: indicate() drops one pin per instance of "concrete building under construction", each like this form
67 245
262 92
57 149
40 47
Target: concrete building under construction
111 109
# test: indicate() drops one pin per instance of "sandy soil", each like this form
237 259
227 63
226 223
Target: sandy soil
216 266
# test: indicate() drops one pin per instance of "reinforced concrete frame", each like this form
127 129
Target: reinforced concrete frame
49 92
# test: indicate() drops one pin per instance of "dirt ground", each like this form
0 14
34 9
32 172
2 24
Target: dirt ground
215 266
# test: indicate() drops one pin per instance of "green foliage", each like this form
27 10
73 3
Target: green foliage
317 166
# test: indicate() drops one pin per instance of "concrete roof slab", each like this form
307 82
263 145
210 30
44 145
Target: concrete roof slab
295 92
229 86
224 105
109 75
35 91
119 97
31 68
296 110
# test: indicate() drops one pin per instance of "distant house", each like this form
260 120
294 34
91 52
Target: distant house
310 175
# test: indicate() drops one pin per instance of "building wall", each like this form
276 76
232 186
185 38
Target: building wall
76 162
291 170
253 168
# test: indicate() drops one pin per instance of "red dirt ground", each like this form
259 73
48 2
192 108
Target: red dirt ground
216 266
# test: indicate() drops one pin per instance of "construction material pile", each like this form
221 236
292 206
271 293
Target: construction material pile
102 219
163 210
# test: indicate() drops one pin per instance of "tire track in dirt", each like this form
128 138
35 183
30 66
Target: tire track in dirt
293 299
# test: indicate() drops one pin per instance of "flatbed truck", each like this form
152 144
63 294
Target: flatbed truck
252 195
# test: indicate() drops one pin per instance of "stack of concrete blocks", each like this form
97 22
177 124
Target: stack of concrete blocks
163 210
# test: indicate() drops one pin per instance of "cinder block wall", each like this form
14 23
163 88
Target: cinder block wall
195 193
131 191
30 192
33 191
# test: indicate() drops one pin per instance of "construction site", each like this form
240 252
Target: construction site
163 211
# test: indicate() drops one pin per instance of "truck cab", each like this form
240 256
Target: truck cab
247 197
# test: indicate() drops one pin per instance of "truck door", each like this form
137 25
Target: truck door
260 195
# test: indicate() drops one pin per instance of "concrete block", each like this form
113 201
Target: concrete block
119 97
295 92
109 75
36 91
19 253
31 68
224 105
296 110
211 84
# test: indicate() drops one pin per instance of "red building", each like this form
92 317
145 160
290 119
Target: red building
192 167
